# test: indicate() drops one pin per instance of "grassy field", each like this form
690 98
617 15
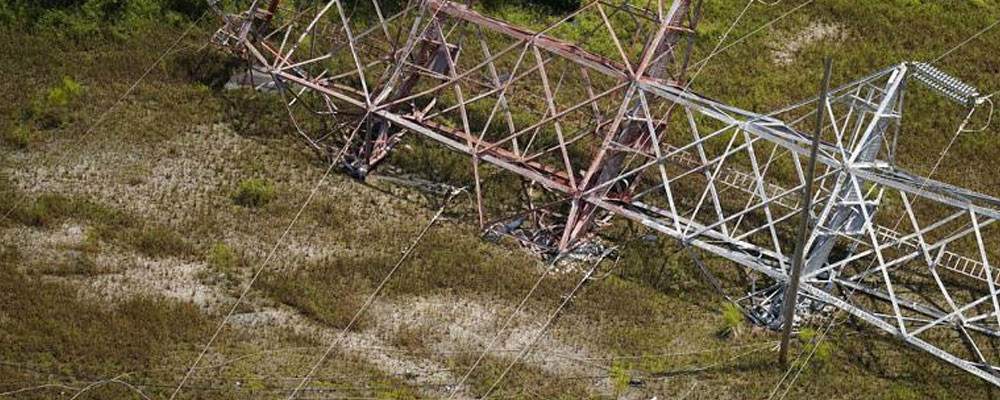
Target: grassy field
136 222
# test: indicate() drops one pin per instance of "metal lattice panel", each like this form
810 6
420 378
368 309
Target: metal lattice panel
593 109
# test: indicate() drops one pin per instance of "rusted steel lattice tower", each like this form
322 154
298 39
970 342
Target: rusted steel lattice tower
593 108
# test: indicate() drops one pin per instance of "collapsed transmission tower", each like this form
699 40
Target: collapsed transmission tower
594 109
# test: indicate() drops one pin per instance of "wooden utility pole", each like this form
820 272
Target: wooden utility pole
791 292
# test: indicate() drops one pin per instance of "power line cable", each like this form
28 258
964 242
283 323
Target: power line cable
263 264
971 38
113 107
819 339
510 318
541 333
372 297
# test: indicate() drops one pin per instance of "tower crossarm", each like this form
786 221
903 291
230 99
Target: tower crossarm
611 129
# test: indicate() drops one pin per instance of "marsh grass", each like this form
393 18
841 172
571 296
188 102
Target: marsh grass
732 320
45 320
655 303
16 135
254 193
107 223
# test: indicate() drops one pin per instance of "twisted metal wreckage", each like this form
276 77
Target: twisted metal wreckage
594 108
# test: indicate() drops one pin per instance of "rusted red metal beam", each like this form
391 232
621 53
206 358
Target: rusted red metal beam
564 49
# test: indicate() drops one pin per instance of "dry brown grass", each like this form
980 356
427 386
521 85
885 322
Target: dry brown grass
98 264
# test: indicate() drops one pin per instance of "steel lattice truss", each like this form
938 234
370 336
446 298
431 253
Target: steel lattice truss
592 108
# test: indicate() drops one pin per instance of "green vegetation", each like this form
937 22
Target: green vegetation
254 193
557 6
109 224
732 320
90 19
48 109
17 136
54 108
816 351
50 327
620 378
221 258
68 61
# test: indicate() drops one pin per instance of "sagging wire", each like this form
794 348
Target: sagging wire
541 333
257 273
989 117
545 272
374 295
115 380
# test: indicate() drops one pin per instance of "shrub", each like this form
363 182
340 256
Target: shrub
84 19
559 6
63 95
253 193
65 23
54 108
821 350
17 137
209 67
189 8
221 258
620 378
732 320
91 244
158 241
222 264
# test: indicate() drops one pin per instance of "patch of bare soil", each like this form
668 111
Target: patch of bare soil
175 182
789 45
454 325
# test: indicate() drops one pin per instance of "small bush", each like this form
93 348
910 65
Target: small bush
209 67
158 241
17 137
253 193
221 258
822 350
620 378
732 320
64 94
223 265
54 108
91 244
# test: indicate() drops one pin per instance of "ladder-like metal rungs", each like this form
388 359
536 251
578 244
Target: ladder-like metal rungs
742 181
949 260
